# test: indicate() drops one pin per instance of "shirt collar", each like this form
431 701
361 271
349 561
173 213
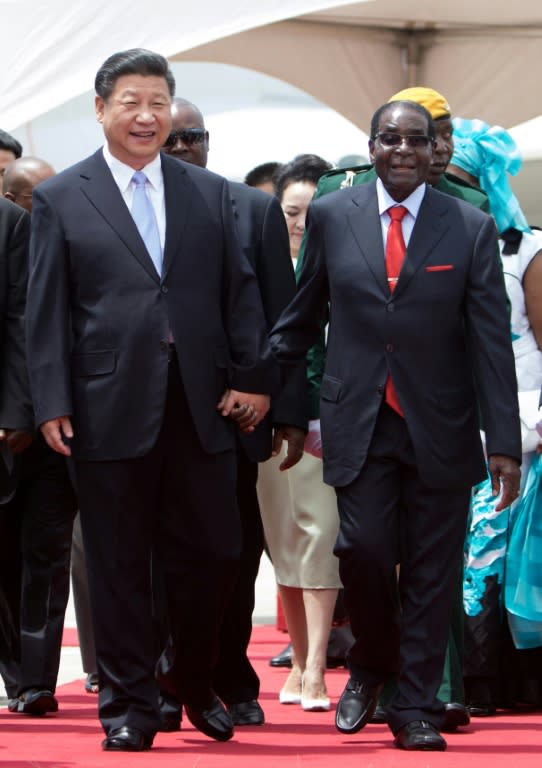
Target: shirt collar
123 173
411 203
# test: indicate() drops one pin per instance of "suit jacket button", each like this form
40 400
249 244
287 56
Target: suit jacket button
164 288
380 389
389 347
391 307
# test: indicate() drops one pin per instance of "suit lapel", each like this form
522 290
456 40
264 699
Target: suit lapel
100 188
428 230
364 221
179 197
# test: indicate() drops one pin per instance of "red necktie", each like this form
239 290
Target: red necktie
395 255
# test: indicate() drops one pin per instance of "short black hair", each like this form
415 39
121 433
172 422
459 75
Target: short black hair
136 61
302 168
262 173
414 104
10 144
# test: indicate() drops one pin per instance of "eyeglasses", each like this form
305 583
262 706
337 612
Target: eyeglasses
413 141
189 137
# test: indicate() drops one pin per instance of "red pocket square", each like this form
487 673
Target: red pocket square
440 268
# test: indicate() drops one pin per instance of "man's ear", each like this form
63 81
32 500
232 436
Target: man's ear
372 151
9 196
99 106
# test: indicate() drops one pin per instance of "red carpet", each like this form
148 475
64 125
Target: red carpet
290 738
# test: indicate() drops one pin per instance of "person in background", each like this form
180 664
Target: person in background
263 177
10 150
21 176
16 427
44 505
299 512
418 337
141 345
264 239
500 669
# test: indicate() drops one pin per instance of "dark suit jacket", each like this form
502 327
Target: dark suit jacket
15 402
442 333
264 238
99 314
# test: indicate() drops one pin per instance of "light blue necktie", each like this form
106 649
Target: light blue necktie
145 219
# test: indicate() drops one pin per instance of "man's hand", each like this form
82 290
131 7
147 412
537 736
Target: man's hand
505 474
16 439
54 431
243 407
295 437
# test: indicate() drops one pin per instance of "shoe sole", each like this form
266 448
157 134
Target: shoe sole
423 748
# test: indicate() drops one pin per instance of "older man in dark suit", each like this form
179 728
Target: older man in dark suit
418 335
145 330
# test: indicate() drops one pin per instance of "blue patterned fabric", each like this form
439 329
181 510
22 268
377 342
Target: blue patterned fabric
523 574
485 547
489 153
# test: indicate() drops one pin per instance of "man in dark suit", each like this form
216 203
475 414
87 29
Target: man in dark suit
41 512
145 331
16 422
264 238
412 348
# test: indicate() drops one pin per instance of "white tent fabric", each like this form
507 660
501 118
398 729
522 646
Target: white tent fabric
51 49
485 56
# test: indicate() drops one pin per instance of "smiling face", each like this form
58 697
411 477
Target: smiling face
401 168
136 118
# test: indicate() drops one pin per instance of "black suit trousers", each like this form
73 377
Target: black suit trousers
234 677
389 515
177 502
36 531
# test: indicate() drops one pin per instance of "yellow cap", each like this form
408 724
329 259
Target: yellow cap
433 101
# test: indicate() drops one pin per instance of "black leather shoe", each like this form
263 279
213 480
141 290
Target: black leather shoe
456 716
214 721
380 716
246 713
126 739
282 659
419 734
34 702
356 706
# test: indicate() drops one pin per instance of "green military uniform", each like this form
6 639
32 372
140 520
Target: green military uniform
451 689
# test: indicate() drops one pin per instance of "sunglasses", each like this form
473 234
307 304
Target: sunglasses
413 141
189 137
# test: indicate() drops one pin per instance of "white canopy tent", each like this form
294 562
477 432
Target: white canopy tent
484 56
52 48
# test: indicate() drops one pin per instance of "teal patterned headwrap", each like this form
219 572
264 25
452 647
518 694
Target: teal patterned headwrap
489 153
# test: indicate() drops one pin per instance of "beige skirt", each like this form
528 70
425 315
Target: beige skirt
301 522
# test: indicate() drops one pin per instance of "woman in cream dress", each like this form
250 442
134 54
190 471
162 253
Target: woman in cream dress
299 511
